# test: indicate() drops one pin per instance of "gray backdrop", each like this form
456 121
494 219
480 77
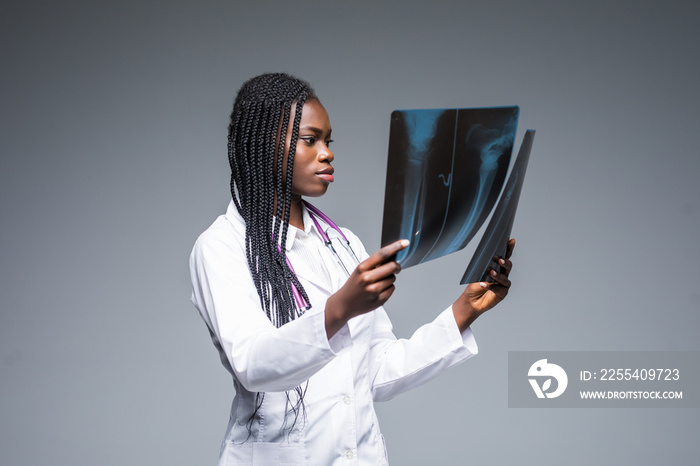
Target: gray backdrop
113 140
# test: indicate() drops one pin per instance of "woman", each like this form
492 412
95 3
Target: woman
299 325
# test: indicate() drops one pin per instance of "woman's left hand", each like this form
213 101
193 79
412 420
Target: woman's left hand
478 298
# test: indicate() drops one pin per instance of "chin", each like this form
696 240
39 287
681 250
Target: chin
316 192
312 190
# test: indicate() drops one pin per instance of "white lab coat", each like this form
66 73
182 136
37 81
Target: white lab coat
362 363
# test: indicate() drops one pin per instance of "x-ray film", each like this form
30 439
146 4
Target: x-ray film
493 243
445 171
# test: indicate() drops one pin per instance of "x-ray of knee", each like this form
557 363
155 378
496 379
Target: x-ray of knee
445 171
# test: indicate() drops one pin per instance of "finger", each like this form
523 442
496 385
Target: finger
505 265
379 287
381 272
385 295
379 293
500 278
383 254
509 247
499 291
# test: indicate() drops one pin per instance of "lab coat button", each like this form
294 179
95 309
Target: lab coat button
346 400
349 454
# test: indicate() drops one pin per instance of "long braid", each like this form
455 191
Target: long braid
288 181
256 149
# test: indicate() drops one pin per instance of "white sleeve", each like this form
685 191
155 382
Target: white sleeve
397 365
262 357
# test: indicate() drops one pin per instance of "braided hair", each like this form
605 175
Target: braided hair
256 149
256 145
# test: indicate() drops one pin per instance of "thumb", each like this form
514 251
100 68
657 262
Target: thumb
478 288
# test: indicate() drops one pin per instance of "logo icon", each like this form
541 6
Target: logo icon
544 371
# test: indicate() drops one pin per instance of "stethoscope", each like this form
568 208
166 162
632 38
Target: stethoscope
315 215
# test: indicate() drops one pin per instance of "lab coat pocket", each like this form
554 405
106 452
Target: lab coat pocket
263 454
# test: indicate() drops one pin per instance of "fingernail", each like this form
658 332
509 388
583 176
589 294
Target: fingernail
501 261
482 284
405 242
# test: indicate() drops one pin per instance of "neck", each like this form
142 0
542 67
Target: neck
296 219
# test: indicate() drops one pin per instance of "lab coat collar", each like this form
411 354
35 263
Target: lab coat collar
233 216
309 226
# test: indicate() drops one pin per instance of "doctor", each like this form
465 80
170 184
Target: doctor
293 303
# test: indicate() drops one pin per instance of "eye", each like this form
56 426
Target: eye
309 140
329 142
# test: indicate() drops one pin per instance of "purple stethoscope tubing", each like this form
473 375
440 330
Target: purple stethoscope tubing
314 212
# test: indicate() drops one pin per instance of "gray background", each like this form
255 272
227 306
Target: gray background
113 161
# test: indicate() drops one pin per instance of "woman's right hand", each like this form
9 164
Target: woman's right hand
369 286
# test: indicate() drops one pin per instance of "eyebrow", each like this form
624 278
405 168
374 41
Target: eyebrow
314 129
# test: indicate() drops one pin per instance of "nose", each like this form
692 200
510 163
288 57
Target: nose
325 154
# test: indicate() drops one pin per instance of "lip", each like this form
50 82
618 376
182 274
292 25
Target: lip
326 174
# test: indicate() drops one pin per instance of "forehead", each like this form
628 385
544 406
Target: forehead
314 114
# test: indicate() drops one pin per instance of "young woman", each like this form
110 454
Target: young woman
294 303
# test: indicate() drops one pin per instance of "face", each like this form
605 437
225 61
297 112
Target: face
312 159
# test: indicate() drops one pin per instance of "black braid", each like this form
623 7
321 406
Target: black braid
262 103
262 110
